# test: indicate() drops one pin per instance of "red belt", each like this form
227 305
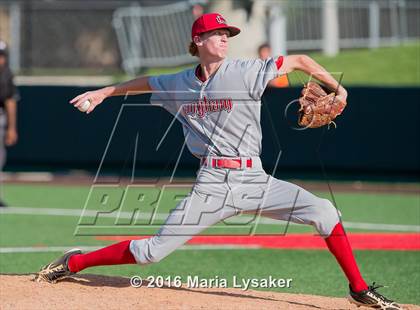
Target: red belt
228 163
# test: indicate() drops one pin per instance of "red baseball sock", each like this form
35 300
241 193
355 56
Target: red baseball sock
340 247
115 254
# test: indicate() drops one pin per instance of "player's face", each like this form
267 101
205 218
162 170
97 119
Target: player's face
215 43
265 53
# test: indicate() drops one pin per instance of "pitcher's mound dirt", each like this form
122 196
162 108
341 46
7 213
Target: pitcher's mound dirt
87 291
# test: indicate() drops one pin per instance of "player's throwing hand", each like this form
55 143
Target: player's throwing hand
93 97
88 101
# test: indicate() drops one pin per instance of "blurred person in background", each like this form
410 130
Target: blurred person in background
8 109
197 10
264 52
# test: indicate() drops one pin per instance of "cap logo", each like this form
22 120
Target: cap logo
220 19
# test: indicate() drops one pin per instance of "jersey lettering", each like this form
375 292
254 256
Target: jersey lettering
205 106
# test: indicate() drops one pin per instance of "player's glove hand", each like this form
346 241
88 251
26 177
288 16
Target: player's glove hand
317 108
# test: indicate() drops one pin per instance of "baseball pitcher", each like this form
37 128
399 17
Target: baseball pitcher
218 103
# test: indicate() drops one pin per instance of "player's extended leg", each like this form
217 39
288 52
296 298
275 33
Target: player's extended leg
195 213
115 254
192 215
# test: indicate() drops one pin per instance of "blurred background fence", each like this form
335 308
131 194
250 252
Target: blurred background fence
155 36
360 23
106 36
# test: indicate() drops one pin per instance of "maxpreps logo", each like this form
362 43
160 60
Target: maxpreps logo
205 106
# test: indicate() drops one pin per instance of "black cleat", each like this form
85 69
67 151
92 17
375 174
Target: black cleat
58 269
372 299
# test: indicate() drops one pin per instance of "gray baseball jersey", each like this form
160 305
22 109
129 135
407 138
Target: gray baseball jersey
221 118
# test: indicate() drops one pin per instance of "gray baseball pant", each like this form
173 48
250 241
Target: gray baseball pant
222 193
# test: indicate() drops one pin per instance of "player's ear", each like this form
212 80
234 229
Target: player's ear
197 41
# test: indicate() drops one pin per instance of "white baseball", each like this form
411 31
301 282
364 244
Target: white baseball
84 106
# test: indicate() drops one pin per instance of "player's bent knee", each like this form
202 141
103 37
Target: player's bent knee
326 217
143 252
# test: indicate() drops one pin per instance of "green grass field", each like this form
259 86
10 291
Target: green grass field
313 271
387 66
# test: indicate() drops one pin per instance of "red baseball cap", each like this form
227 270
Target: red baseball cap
212 21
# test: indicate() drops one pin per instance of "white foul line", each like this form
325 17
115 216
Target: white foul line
163 216
88 248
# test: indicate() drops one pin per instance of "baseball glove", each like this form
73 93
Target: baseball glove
317 108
